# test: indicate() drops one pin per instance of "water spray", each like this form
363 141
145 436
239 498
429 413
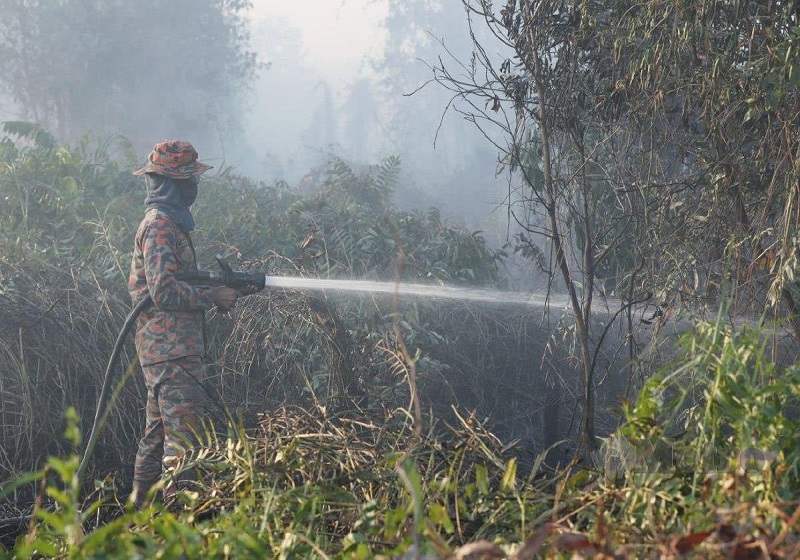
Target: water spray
259 281
431 291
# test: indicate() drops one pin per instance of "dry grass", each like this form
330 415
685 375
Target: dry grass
57 327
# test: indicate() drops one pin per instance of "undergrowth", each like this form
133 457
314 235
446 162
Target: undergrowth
707 465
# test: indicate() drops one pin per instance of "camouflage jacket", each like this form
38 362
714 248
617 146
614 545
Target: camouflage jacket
174 326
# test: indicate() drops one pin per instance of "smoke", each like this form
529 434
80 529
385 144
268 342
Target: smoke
371 104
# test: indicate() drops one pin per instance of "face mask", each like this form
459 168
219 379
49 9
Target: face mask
188 191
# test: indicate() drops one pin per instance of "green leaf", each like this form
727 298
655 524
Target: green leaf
482 479
438 514
20 481
509 481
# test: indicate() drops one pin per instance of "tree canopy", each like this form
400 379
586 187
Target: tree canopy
134 68
652 147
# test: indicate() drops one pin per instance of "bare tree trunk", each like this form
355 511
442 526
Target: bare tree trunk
588 291
587 440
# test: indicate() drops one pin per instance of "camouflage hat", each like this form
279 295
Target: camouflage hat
173 158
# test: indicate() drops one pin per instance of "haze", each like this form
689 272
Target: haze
333 80
332 59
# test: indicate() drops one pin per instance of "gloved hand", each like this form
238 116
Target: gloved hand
248 290
224 298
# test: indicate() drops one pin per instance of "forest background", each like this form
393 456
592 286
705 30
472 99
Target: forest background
649 155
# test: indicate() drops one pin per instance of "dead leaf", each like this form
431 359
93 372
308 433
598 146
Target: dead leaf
533 545
573 541
686 543
749 551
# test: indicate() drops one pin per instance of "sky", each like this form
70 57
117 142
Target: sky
336 34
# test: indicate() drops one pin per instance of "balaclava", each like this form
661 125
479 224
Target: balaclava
173 197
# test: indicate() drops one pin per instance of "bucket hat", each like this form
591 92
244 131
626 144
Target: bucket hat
174 158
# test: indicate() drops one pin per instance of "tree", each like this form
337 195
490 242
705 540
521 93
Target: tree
321 133
654 145
362 134
439 147
539 101
714 86
139 69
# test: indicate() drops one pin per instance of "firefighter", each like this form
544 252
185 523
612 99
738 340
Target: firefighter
170 336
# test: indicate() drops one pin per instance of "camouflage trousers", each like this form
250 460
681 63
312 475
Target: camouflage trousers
176 405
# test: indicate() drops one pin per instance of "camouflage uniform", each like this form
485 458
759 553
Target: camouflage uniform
169 342
170 336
